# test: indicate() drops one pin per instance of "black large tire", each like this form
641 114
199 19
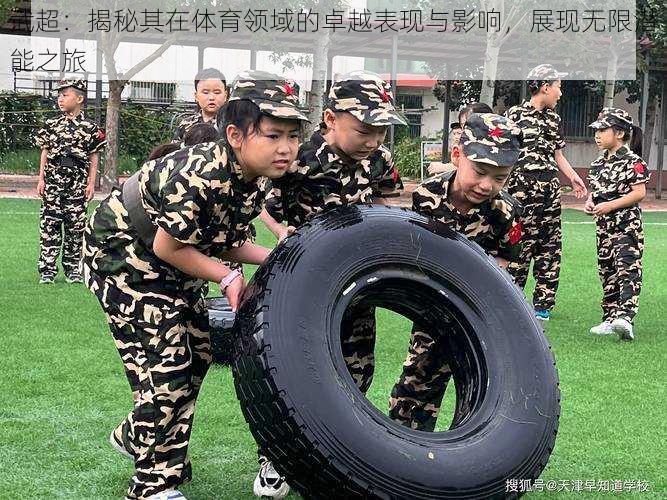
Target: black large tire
302 406
221 320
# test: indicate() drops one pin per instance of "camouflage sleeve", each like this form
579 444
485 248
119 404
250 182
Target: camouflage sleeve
513 114
184 209
42 138
560 142
637 172
274 203
97 140
386 182
510 234
427 197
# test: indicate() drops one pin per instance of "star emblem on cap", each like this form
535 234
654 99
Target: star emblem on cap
496 132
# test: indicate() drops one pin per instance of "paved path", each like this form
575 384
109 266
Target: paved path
25 186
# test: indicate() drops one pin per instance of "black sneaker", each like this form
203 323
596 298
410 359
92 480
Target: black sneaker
46 280
74 278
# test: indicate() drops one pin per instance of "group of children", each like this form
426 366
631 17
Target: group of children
153 244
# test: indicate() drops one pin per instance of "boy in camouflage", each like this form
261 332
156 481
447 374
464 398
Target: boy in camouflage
618 180
151 248
210 97
70 147
535 184
455 136
470 200
343 163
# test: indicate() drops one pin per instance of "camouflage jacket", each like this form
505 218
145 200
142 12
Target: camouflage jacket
76 138
541 137
612 176
319 180
197 195
188 122
494 225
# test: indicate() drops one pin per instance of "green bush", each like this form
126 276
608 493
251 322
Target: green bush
141 128
25 161
407 157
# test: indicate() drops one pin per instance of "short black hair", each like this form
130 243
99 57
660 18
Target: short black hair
474 107
199 133
243 114
163 150
210 74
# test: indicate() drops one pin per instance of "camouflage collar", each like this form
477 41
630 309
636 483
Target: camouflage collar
620 152
527 105
213 121
76 119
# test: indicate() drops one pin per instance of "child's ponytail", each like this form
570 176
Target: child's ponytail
637 139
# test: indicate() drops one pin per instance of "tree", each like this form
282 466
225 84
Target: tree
108 44
6 7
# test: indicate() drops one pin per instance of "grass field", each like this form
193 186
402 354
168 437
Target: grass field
63 386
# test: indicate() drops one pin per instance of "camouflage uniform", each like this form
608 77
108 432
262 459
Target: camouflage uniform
620 236
320 180
535 184
190 121
494 225
156 313
62 217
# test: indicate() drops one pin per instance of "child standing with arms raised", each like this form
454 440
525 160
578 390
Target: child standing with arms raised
618 180
535 184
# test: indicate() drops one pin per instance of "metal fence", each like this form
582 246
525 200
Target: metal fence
577 112
158 93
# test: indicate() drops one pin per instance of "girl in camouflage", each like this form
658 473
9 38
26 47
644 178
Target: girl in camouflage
618 180
150 251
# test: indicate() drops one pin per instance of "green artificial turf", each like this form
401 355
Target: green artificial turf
63 387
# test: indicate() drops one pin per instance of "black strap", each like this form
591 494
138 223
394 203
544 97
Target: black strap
135 209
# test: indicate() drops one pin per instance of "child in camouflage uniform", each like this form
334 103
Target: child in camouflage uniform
343 163
618 180
150 249
469 200
210 97
70 147
535 184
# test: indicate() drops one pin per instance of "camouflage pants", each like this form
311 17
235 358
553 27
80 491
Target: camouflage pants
358 344
62 220
539 194
620 243
164 344
416 398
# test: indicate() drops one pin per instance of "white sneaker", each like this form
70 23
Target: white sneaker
167 495
603 328
269 483
623 328
118 446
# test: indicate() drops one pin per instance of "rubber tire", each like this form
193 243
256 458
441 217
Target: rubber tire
302 406
221 319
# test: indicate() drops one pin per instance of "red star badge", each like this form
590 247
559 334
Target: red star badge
639 167
515 233
496 132
394 174
289 90
100 134
384 96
